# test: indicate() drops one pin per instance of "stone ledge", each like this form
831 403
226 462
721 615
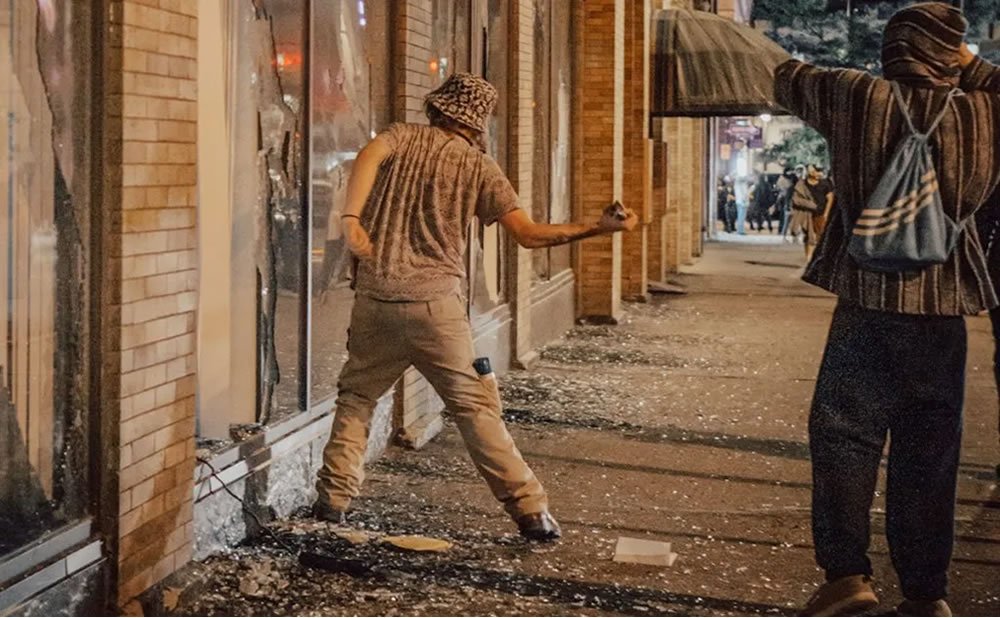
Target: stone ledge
419 434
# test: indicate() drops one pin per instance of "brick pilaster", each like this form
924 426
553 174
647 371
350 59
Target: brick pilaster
638 170
598 149
153 94
657 245
675 194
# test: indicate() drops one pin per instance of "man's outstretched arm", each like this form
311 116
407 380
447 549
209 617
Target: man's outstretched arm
978 75
531 235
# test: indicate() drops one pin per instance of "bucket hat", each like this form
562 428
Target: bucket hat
465 98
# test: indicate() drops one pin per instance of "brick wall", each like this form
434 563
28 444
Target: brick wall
699 143
675 198
638 152
657 245
598 148
154 98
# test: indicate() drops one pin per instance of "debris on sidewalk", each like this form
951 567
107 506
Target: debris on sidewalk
355 537
657 287
262 579
641 551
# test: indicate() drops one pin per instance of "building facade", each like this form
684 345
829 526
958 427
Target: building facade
175 283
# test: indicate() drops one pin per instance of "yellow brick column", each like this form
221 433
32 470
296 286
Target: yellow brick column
638 164
599 119
675 193
657 243
151 257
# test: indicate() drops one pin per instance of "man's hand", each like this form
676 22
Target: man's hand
358 241
965 56
612 221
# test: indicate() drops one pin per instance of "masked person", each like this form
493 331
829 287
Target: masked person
411 198
895 357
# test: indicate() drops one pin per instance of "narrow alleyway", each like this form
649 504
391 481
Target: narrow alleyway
685 424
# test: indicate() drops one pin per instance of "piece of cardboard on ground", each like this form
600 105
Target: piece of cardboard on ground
642 551
418 543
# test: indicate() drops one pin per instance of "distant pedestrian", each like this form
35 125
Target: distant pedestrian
784 188
723 197
896 352
732 212
813 200
742 190
762 202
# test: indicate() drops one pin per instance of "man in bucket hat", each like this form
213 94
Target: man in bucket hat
895 359
413 193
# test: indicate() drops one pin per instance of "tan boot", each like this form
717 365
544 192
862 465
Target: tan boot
847 596
924 608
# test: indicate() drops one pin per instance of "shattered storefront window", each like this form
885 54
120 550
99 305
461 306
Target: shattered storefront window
350 103
268 185
44 184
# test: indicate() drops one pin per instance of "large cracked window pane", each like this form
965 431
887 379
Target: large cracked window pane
350 104
44 184
280 87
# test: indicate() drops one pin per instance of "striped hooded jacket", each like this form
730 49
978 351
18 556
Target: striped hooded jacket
858 115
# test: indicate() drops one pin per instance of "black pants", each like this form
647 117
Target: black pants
903 376
731 217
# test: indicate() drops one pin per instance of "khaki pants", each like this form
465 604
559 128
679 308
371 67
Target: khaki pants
387 338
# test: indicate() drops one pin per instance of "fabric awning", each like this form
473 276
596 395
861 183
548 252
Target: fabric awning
706 65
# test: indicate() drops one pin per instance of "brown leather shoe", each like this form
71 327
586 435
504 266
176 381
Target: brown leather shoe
324 512
847 596
539 527
924 608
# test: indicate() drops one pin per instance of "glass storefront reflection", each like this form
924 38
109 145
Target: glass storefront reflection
487 287
553 83
281 88
350 104
44 185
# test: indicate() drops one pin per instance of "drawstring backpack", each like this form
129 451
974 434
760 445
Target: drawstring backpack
903 227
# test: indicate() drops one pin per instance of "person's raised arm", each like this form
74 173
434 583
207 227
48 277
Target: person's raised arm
531 235
359 187
978 75
498 202
811 93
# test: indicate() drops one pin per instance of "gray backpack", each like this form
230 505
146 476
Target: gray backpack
903 227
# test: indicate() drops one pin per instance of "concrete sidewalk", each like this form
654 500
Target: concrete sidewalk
685 424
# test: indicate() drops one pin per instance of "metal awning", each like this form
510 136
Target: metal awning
705 65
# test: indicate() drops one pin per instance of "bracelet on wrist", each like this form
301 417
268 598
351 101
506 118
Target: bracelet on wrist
350 217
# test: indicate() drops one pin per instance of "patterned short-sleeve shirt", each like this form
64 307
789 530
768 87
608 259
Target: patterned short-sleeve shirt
426 194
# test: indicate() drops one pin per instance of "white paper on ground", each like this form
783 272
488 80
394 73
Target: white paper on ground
641 551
